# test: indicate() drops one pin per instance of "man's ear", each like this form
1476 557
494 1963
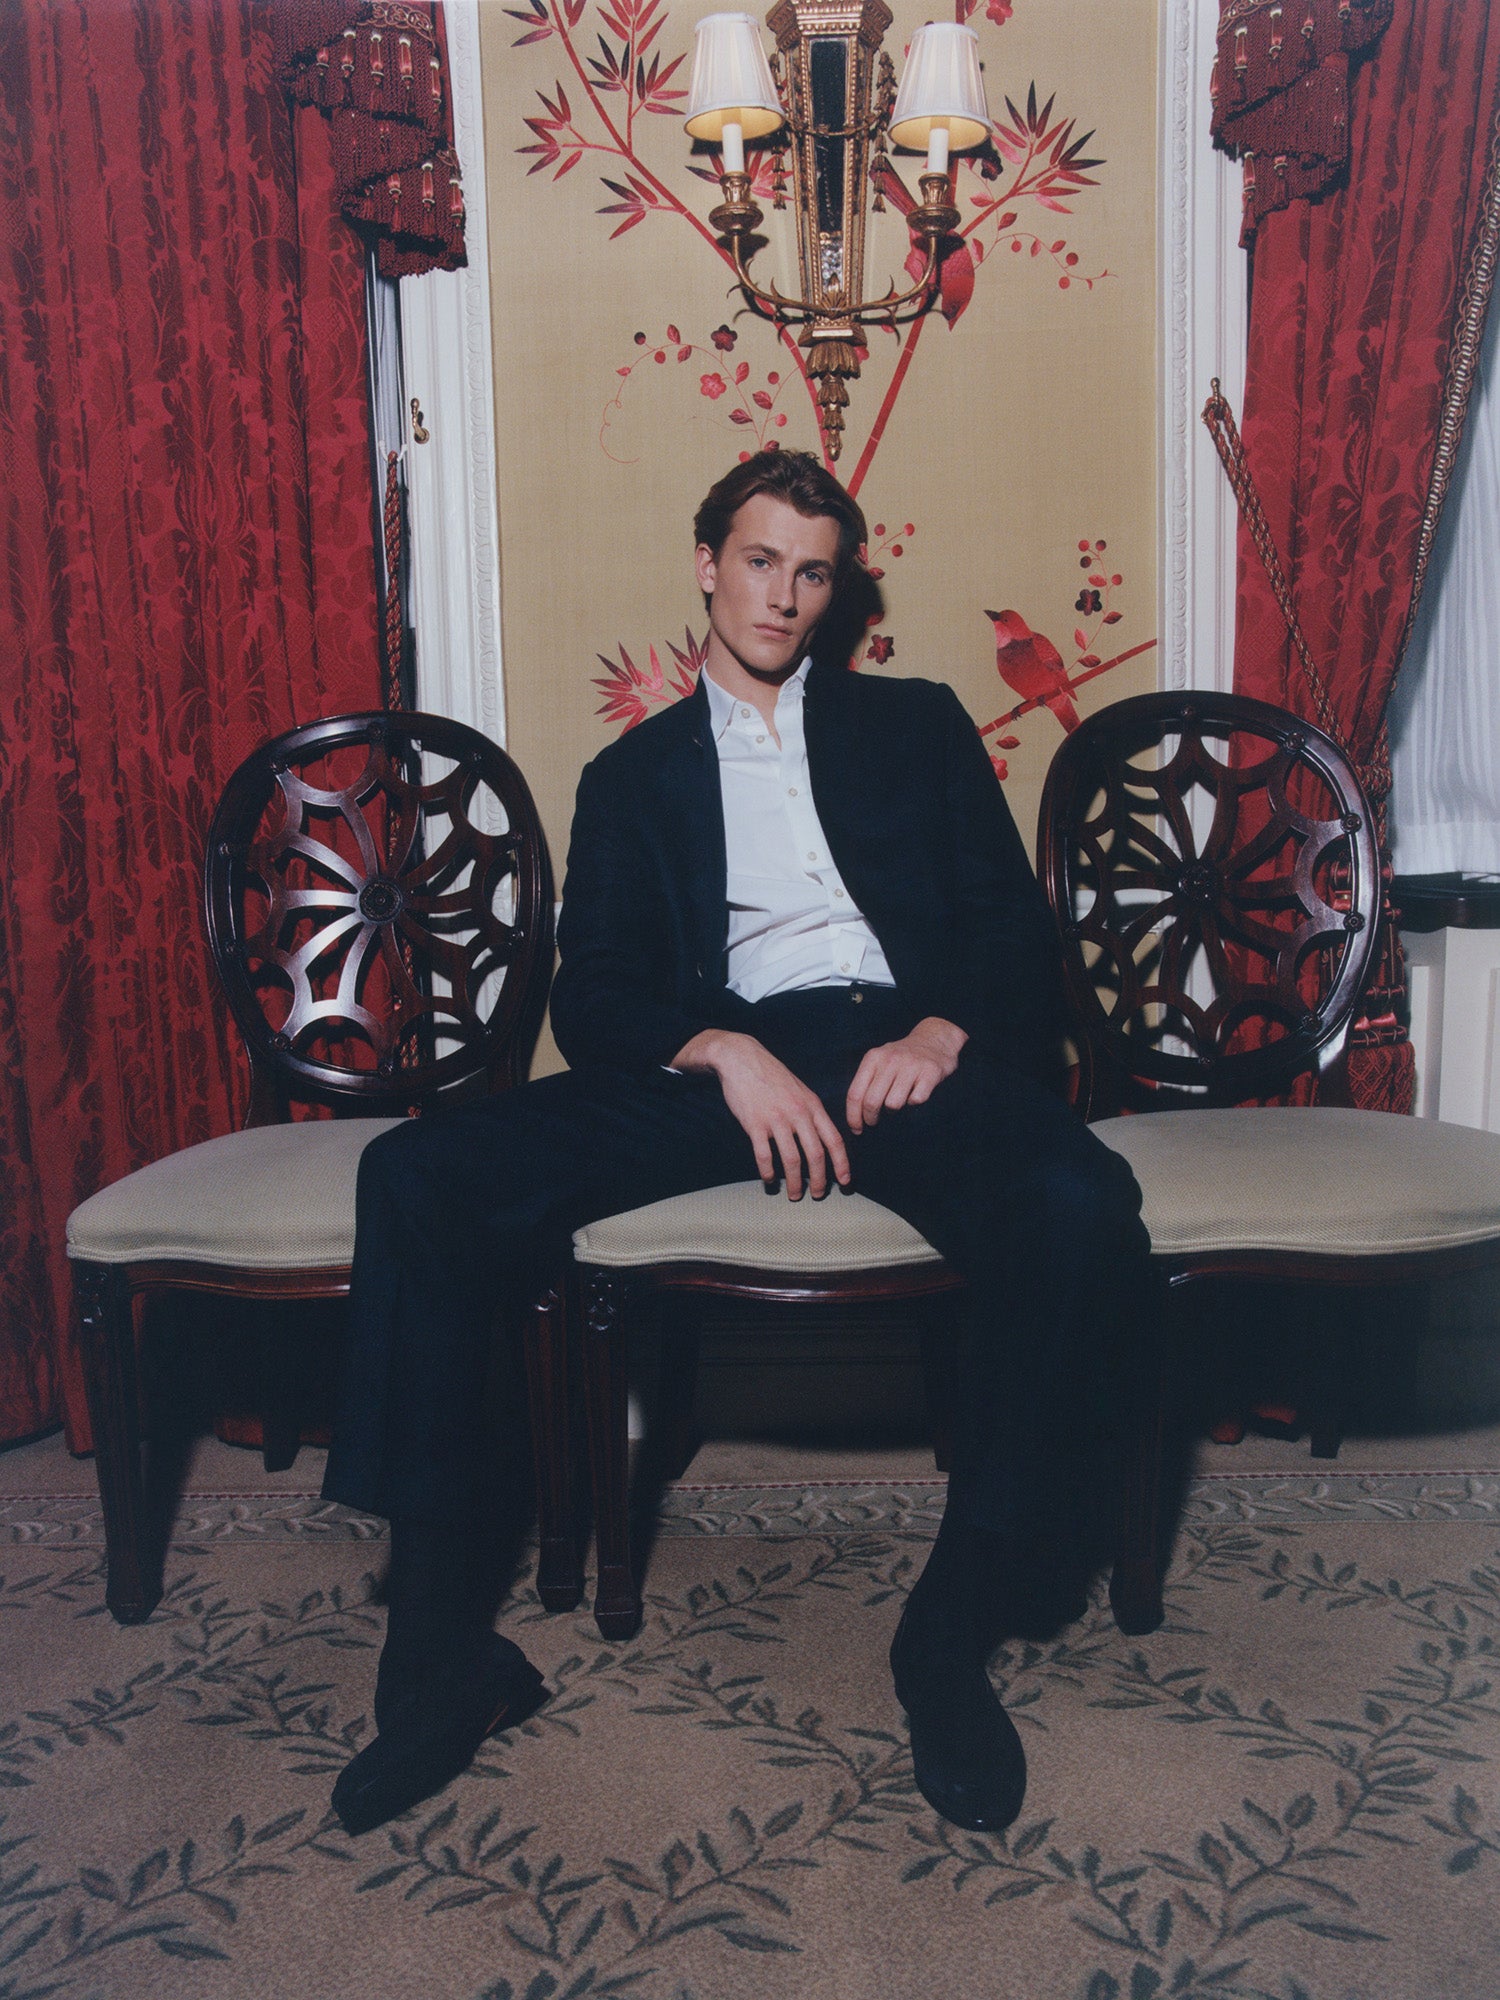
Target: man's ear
706 567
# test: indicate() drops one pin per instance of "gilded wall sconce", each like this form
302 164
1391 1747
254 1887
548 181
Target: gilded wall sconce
828 97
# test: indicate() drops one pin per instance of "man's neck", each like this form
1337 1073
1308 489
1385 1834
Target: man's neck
759 690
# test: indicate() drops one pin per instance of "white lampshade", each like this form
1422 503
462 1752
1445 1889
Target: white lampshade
942 89
731 80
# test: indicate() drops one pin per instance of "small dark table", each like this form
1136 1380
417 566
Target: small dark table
1446 902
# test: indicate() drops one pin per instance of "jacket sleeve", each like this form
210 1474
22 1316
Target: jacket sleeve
1006 968
612 999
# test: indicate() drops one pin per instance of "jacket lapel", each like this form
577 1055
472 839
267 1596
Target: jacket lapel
837 782
695 809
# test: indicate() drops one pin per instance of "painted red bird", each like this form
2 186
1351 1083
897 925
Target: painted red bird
1029 662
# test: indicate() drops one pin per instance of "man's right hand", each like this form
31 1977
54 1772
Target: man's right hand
784 1120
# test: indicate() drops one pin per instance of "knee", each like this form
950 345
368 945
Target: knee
1088 1200
391 1160
418 1172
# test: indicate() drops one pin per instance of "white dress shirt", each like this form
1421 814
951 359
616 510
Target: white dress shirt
792 923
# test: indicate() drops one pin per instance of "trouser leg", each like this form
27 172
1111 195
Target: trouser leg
463 1212
1042 1221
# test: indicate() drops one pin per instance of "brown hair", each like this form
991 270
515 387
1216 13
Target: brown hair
793 476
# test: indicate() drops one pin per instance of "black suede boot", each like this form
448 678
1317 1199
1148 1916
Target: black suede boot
445 1682
966 1755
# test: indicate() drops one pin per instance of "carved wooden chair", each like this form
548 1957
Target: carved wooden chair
1213 867
1214 871
379 907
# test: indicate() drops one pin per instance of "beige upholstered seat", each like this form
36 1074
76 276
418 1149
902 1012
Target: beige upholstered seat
743 1224
1333 1181
274 1198
1327 1181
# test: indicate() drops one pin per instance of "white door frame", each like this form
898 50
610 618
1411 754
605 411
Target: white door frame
1202 303
448 362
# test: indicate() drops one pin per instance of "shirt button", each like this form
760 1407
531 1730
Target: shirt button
746 713
838 892
812 854
845 966
760 739
791 791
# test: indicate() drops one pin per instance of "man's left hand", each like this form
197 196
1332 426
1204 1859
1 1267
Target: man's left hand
904 1072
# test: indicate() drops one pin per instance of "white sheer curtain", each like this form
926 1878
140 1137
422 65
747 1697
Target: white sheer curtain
1445 714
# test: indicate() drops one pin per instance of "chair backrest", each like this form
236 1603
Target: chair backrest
1212 865
380 910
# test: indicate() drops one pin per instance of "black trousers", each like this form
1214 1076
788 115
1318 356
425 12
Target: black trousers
463 1211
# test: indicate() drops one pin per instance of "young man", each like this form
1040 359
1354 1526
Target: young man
800 941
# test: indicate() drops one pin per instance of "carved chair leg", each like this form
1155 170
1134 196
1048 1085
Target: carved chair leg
107 1326
617 1599
1135 1584
559 1570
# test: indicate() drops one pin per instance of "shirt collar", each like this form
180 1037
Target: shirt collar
722 705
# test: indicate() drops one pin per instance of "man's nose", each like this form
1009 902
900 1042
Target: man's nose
784 594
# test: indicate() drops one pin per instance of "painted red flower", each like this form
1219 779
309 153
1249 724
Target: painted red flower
999 11
724 337
882 645
712 386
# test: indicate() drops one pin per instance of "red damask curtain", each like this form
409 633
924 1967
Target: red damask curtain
1358 307
187 567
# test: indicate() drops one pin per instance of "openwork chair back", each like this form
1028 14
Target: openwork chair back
380 909
1213 868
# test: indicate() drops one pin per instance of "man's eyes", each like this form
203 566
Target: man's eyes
812 575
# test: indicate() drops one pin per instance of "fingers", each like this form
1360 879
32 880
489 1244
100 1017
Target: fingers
887 1080
860 1090
901 1089
791 1135
765 1159
808 1144
832 1138
791 1159
870 1091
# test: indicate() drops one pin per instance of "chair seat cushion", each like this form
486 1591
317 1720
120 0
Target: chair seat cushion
1318 1181
277 1197
743 1224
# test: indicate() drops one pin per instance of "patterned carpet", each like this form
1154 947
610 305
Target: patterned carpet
1291 1791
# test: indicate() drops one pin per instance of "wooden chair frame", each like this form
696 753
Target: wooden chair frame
381 900
608 1297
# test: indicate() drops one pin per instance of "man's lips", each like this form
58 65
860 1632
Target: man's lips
776 631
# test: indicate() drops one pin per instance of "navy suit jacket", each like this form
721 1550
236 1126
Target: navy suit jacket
916 823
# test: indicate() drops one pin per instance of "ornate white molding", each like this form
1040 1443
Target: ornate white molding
449 371
1201 318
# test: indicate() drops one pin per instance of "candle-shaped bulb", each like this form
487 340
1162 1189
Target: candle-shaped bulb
937 150
732 97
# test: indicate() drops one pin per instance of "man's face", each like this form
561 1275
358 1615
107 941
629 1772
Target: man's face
770 584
